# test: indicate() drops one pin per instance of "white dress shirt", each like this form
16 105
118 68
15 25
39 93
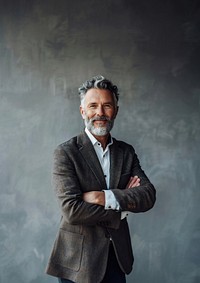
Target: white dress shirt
104 159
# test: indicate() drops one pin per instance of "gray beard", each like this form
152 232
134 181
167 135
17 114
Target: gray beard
99 131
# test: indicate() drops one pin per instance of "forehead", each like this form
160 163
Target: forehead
99 95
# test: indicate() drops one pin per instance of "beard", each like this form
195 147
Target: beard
100 130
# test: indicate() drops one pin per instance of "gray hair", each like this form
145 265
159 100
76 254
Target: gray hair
98 82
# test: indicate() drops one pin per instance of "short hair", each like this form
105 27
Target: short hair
99 82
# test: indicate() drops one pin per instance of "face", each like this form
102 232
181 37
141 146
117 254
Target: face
99 110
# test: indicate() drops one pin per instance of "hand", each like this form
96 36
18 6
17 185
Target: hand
133 182
94 197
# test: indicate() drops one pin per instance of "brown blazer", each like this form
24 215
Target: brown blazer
81 247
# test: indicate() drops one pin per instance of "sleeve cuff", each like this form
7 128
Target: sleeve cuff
110 201
124 214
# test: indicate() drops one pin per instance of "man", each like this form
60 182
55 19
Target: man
97 181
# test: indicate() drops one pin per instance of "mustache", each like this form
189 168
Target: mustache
102 118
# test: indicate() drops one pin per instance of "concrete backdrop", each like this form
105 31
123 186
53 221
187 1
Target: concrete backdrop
150 49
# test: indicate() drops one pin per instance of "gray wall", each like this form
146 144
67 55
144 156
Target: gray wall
150 49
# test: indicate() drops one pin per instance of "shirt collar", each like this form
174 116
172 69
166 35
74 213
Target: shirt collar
93 140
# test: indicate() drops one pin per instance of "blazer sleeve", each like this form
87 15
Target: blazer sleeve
136 199
67 189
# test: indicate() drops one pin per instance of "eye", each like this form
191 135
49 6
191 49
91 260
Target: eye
92 106
108 106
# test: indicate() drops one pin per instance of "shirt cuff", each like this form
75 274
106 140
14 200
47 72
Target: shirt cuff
110 200
124 214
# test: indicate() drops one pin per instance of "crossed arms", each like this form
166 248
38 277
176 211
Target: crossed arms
79 205
96 197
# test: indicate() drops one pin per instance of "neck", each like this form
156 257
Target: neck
103 140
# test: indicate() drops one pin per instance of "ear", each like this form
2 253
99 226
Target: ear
82 111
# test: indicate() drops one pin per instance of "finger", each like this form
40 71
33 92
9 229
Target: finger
134 182
129 183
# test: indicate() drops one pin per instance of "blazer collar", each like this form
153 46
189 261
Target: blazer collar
116 160
88 152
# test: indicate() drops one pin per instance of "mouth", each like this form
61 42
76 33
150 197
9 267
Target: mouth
100 123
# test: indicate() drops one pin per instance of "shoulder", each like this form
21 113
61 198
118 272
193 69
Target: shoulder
123 145
74 143
67 145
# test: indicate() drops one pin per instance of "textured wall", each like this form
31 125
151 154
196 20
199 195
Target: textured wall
150 49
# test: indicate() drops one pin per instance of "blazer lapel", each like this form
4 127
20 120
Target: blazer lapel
87 150
116 161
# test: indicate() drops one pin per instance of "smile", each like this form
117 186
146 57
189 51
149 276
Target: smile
100 122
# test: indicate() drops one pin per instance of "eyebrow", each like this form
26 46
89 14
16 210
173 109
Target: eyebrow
95 103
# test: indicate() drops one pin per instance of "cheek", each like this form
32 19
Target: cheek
111 114
85 113
89 114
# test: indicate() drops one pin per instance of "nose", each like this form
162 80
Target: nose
100 111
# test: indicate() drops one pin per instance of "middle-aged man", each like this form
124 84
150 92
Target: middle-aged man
98 180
